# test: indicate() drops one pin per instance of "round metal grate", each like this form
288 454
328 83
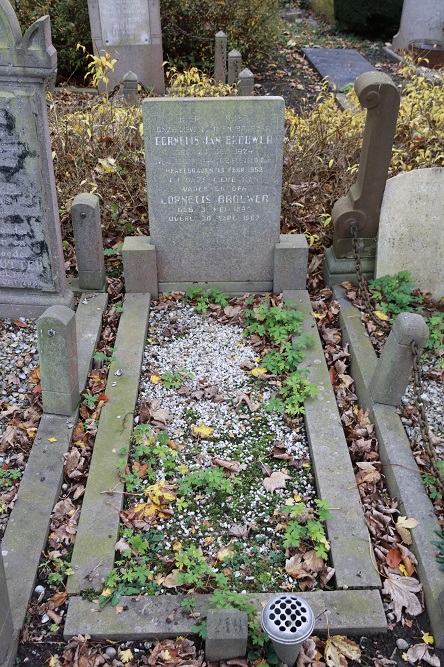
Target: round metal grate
287 619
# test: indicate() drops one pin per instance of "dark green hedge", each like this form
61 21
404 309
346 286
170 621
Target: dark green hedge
369 18
69 26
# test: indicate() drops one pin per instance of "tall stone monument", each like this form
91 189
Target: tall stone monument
420 21
129 30
32 274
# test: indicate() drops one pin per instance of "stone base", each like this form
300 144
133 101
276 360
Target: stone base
290 263
337 271
140 266
77 288
15 304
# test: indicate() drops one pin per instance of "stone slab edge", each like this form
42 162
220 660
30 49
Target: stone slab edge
28 526
232 288
351 551
400 470
339 612
88 326
93 555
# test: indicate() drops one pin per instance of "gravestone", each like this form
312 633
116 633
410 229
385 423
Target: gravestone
32 274
420 21
411 229
214 174
129 30
340 67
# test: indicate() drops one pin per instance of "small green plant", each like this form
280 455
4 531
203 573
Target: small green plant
8 476
394 294
283 328
440 544
98 67
306 525
57 570
196 572
89 400
211 479
429 481
176 379
203 298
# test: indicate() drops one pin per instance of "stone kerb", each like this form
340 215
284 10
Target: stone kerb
6 626
130 31
32 274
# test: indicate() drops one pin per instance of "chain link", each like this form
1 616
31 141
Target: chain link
418 388
422 416
362 283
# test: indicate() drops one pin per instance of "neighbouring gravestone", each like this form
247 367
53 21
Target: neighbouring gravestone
214 174
411 229
420 21
32 273
130 31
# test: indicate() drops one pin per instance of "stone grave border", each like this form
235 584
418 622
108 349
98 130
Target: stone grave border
28 525
354 608
402 478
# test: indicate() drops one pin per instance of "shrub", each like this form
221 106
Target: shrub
374 18
189 27
69 25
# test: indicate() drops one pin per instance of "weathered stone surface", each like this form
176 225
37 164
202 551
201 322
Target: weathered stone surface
341 67
335 479
93 555
348 612
57 344
214 173
290 263
88 327
395 365
85 215
227 634
419 21
403 479
140 265
129 30
411 230
6 627
32 275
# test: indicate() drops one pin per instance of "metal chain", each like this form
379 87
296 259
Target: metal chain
362 283
422 416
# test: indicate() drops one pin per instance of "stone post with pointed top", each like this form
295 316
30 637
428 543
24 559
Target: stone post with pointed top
246 83
234 66
220 57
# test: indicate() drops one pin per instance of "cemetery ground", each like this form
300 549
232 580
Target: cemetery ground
120 181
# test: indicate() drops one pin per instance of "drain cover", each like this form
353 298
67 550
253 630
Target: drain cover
287 619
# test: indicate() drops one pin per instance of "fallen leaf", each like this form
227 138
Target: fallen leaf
224 552
258 372
52 439
428 639
403 527
122 546
393 558
381 316
203 431
126 656
333 657
402 592
170 580
277 480
155 378
347 647
240 531
420 652
231 468
294 566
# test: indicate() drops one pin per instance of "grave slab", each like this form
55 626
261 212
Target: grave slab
411 229
32 273
341 67
401 473
93 554
214 175
130 31
339 612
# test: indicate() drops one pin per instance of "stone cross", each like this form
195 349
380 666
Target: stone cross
32 273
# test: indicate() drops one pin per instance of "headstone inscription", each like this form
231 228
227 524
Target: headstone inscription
129 30
411 230
214 174
32 274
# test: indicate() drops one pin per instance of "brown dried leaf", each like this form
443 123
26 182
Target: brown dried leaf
294 566
402 592
277 480
420 652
